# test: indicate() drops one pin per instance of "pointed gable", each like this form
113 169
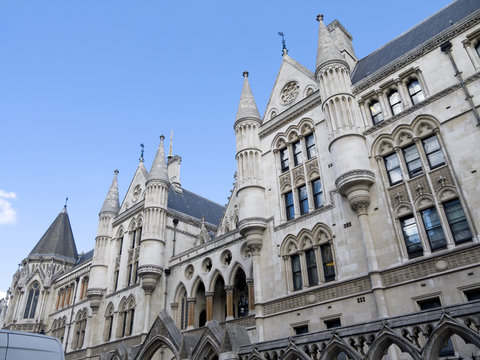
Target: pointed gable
294 82
58 239
136 189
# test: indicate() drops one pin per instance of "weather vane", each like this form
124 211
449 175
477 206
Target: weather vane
141 152
284 43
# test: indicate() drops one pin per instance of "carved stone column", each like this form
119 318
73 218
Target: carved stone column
191 312
229 291
209 298
251 297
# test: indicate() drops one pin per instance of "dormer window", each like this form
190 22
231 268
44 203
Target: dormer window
395 102
376 112
415 91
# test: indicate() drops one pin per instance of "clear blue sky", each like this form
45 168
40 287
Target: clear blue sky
83 83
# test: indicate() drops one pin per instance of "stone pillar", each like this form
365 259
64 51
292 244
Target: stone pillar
251 297
146 318
191 312
209 298
229 291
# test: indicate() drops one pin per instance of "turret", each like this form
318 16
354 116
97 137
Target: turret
152 247
250 189
98 272
344 122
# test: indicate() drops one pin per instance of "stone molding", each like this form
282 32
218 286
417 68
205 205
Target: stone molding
95 291
416 53
150 269
355 176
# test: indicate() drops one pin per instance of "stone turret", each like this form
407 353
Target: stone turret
152 247
98 272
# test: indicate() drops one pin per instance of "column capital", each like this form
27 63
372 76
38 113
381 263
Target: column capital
229 289
209 294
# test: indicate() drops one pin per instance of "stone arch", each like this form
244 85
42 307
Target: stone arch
151 347
196 284
293 352
213 279
446 193
443 331
401 209
305 239
120 232
402 135
309 89
337 346
207 349
299 181
279 141
424 125
424 201
306 126
273 112
132 225
179 291
235 268
292 134
289 245
382 146
322 233
382 342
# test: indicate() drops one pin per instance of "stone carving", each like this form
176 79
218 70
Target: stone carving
289 92
136 193
189 271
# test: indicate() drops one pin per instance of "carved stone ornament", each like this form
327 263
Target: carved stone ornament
189 270
289 92
136 193
149 268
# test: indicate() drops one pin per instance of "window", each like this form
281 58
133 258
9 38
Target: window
296 272
433 152
376 112
415 91
332 323
302 329
411 237
477 48
115 280
284 159
310 144
121 245
32 301
472 294
134 235
412 158
434 229
457 221
289 205
327 262
129 279
135 272
242 306
393 169
303 199
317 193
395 102
311 267
108 323
428 304
297 153
183 312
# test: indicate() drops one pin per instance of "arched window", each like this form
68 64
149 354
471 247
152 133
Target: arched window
108 323
415 91
183 311
376 112
80 326
395 102
32 301
130 316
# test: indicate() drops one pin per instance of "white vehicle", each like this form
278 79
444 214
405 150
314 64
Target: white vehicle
16 345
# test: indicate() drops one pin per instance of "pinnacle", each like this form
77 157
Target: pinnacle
327 50
111 203
247 107
159 166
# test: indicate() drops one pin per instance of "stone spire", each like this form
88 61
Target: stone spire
111 203
159 166
327 50
247 107
58 239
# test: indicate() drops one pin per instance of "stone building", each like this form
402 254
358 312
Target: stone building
351 232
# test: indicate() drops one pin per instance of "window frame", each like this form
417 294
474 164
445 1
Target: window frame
318 200
415 91
296 273
393 169
376 112
312 147
297 153
417 252
284 160
312 269
418 170
303 199
289 206
464 220
395 107
433 152
430 225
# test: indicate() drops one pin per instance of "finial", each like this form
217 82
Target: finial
320 17
141 152
116 171
171 142
245 74
284 43
162 138
66 200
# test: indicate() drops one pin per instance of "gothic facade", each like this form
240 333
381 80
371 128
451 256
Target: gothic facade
351 231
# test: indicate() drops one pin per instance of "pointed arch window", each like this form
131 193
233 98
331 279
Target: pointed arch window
32 301
108 323
296 272
184 311
311 267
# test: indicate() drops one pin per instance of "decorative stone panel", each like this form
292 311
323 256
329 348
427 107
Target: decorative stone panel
318 295
284 179
441 177
298 172
312 167
419 186
398 194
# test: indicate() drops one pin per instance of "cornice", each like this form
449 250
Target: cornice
416 53
291 113
138 207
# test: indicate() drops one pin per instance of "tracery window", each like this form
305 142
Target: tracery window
376 112
79 329
395 102
108 322
415 91
296 272
32 301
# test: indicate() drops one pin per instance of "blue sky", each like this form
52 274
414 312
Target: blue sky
83 83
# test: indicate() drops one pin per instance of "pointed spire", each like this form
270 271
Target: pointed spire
159 166
247 107
58 239
327 50
111 204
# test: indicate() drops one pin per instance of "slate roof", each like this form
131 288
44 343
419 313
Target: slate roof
58 239
196 206
83 258
414 37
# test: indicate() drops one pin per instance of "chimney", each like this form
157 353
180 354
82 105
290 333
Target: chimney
343 40
173 167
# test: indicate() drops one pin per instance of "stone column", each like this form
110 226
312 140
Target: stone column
209 298
229 291
401 92
146 321
251 297
191 312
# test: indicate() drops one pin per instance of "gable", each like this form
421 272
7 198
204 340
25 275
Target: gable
294 82
136 190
